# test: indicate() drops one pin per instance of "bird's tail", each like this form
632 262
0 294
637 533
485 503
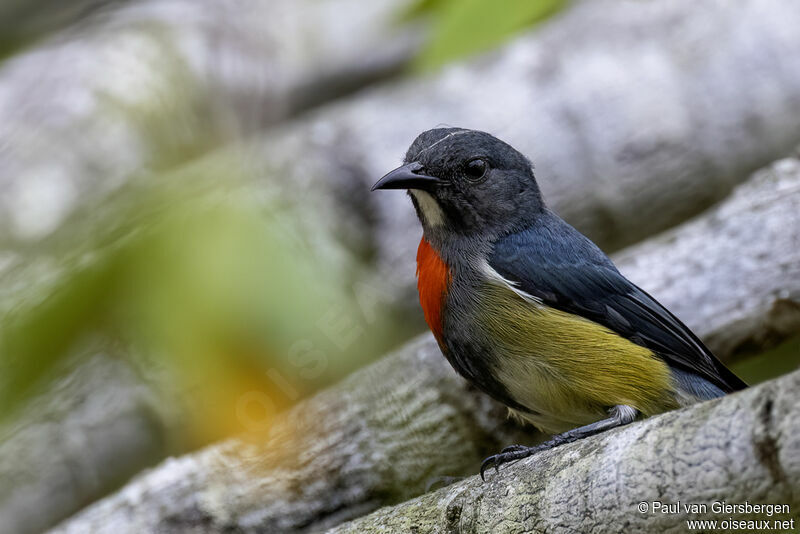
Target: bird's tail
694 387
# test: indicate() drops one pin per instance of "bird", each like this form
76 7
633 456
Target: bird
530 310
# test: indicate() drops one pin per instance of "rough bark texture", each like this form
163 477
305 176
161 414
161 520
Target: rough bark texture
636 115
377 437
741 448
93 431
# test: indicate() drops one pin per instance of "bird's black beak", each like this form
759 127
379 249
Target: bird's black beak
407 177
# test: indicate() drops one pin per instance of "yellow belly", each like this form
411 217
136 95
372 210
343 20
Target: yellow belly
569 370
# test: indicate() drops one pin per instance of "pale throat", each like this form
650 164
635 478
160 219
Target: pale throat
428 207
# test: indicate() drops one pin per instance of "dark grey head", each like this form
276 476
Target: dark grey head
467 182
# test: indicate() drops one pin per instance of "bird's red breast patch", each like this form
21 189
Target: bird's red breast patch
433 280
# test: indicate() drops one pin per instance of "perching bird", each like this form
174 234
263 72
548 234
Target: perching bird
530 310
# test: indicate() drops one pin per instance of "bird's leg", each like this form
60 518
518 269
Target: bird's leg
618 416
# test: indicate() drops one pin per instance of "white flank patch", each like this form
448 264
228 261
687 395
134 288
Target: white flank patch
497 277
429 207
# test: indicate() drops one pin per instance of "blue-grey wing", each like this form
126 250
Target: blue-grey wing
557 264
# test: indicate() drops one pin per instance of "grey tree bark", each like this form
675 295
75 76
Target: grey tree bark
741 448
79 441
379 436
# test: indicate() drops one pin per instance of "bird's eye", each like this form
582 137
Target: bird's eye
476 169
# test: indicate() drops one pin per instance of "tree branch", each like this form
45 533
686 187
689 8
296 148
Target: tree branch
81 440
741 448
379 436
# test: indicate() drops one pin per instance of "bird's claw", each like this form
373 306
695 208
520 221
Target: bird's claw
487 463
510 453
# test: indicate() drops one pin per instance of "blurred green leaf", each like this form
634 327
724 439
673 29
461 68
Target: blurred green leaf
421 8
464 27
204 267
34 340
201 275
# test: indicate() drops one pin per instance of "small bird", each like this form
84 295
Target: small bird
530 310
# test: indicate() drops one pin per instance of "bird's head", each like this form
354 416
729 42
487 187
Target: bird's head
467 182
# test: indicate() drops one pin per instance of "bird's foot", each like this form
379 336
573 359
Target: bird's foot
514 448
618 416
511 453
